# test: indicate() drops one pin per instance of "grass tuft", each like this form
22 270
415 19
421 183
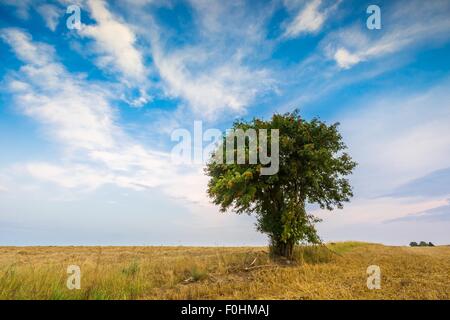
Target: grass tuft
131 270
196 273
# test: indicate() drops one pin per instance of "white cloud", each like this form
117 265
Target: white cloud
309 19
39 54
345 59
115 42
51 15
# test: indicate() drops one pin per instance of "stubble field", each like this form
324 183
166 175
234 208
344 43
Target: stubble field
337 271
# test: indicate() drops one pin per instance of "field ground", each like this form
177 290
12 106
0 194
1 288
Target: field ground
338 272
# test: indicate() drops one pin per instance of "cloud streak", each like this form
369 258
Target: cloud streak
405 24
216 74
115 43
435 184
51 15
437 214
81 118
309 19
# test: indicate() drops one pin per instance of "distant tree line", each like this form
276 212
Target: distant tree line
421 244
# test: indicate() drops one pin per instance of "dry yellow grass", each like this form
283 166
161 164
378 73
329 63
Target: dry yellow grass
224 273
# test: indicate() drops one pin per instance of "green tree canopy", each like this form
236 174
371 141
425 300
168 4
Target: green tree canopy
312 169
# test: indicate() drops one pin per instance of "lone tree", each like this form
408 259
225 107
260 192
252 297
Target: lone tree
312 169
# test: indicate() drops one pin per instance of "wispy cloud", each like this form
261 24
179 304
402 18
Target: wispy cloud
97 150
44 90
115 43
51 15
396 138
76 176
307 20
229 87
309 16
400 147
404 24
22 8
434 184
209 76
437 214
218 73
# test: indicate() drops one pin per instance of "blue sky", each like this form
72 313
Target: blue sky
86 115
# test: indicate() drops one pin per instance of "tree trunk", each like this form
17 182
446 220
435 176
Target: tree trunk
283 249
